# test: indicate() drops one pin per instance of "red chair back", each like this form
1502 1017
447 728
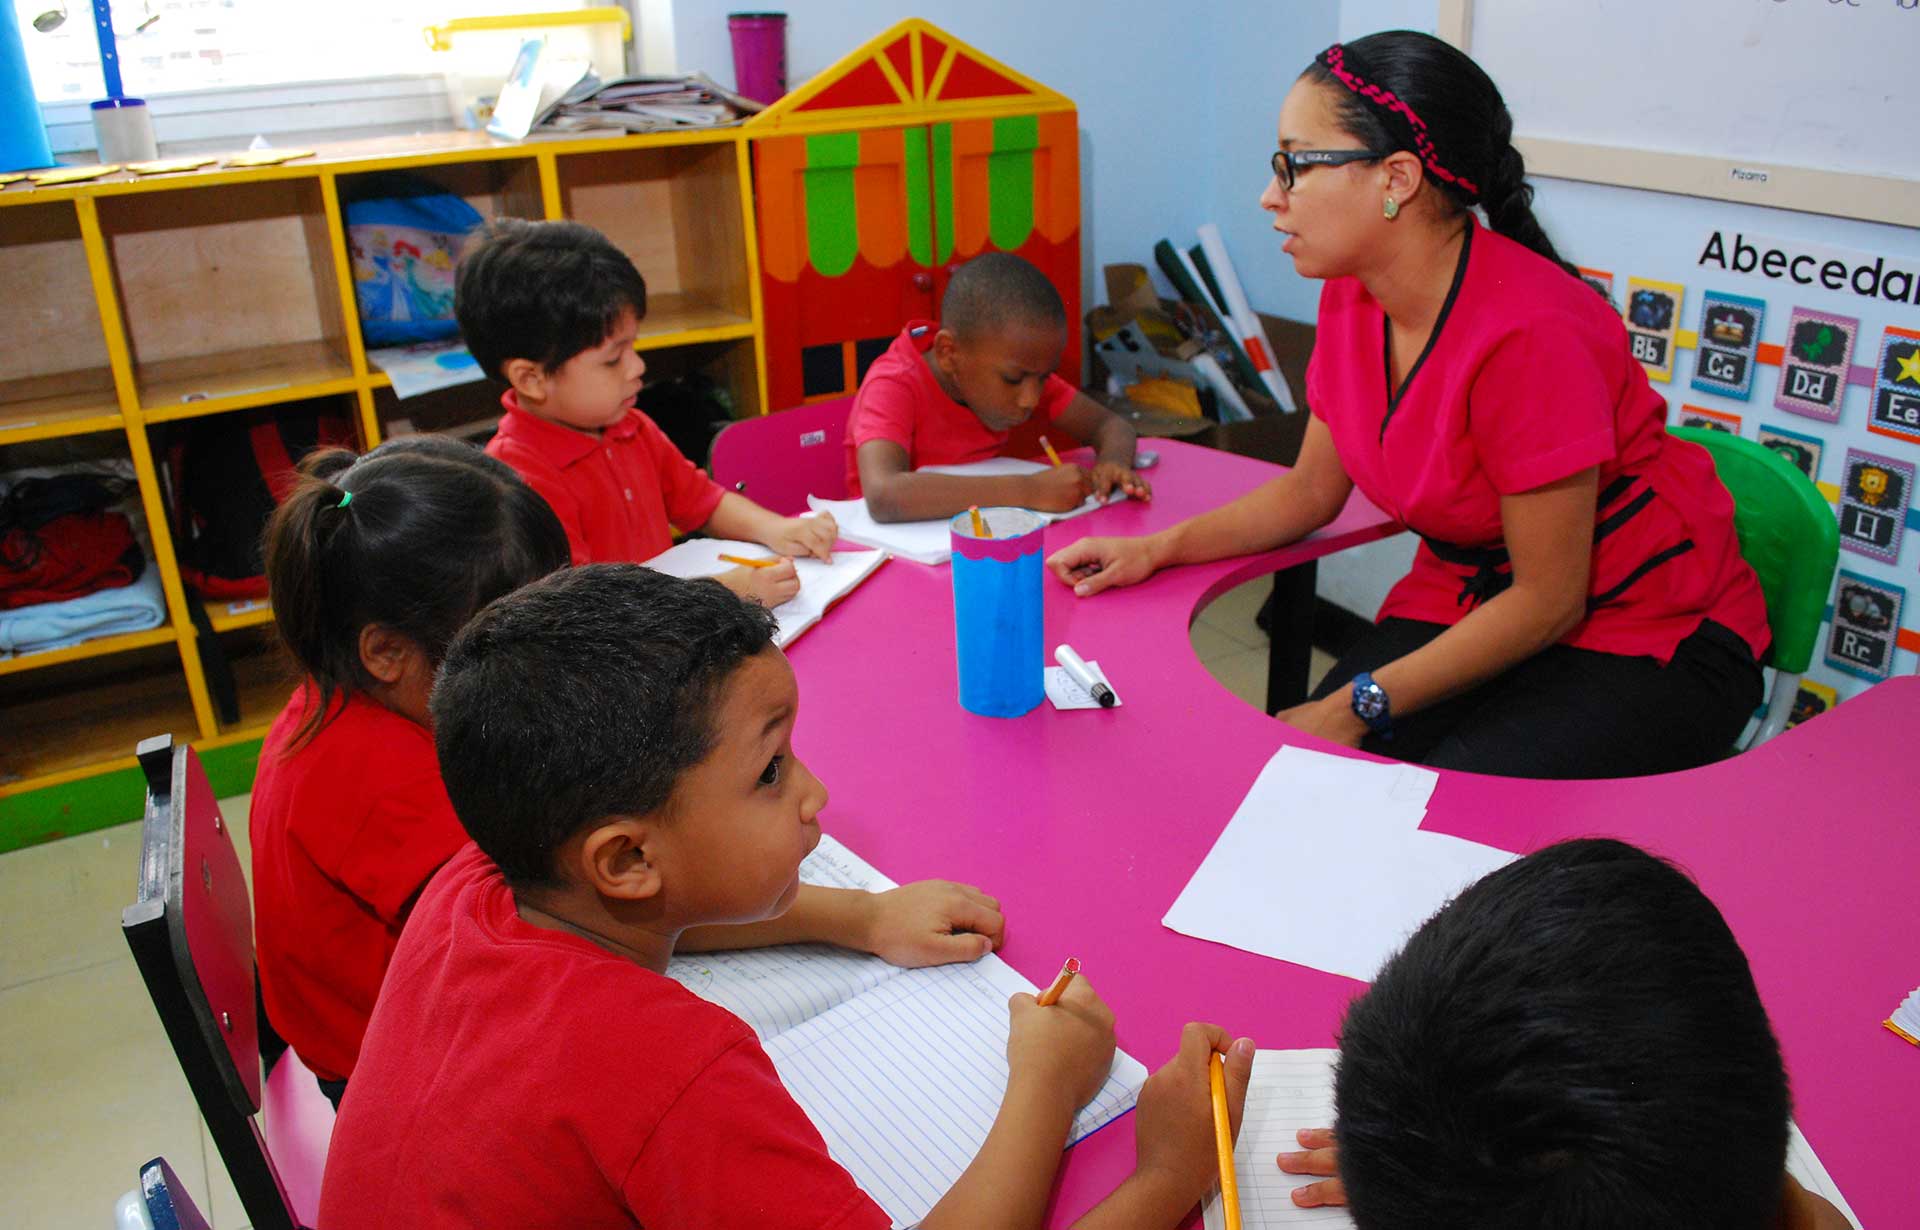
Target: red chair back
191 932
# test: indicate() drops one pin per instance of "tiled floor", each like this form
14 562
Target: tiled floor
89 1088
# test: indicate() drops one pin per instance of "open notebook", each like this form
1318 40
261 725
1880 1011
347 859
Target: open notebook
1291 1090
927 542
902 1070
821 584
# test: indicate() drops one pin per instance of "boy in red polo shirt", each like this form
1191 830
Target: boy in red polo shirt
530 1064
552 309
951 393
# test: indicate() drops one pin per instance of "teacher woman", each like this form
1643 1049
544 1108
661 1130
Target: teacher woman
1578 606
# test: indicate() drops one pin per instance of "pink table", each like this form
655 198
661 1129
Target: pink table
1088 824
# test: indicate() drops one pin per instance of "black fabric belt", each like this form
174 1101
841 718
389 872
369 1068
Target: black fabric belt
1492 565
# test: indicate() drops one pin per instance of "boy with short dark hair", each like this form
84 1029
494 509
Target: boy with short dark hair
950 393
1575 1041
552 310
617 742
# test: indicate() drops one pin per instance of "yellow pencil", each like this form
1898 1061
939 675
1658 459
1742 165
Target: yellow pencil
1051 455
980 529
1223 1142
1051 996
744 562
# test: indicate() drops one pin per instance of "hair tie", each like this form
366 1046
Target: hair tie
1338 61
346 498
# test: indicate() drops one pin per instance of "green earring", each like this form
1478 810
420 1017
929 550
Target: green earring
1391 209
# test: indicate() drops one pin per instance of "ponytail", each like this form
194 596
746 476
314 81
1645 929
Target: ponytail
415 536
1402 90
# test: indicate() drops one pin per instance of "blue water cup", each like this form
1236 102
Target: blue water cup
996 611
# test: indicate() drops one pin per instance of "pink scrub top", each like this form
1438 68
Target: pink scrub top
1528 380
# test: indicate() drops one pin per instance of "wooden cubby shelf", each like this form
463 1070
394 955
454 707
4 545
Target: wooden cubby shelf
147 303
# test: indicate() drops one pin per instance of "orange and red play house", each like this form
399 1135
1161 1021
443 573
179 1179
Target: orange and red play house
880 176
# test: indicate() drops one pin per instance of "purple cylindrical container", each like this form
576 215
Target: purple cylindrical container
759 54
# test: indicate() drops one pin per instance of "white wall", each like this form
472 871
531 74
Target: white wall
1176 103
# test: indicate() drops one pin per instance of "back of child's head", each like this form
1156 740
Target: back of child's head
1574 1042
415 536
542 291
996 291
583 696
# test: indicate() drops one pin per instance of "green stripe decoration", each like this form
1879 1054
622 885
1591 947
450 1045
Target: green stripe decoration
1010 181
833 231
107 799
942 193
919 198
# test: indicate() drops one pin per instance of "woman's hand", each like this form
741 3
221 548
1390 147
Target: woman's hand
1320 1156
1094 564
1331 718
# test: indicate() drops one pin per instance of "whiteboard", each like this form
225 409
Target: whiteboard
1814 99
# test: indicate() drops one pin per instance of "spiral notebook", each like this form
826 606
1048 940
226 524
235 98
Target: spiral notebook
902 1070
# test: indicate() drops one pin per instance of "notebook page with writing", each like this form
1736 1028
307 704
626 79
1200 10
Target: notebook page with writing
774 989
822 583
904 1081
1289 1090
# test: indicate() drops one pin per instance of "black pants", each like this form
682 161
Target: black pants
1571 713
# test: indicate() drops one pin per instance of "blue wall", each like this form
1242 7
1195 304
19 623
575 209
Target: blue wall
1177 105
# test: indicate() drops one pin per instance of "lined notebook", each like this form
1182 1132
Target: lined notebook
901 1070
1291 1090
927 542
821 584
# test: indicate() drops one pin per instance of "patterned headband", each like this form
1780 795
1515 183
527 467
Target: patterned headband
1397 114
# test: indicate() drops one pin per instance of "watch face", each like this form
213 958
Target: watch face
1369 701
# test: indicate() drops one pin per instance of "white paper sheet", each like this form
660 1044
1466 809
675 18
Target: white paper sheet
821 584
1325 866
1066 693
901 1070
1805 1165
929 542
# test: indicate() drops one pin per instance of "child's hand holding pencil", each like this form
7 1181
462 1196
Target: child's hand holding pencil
1177 1157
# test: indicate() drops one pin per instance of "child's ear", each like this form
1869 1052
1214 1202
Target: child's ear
528 379
387 655
945 343
616 862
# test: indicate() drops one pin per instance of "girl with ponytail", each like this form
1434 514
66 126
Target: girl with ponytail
374 563
1578 606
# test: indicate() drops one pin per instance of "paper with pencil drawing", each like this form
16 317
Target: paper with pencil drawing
821 584
1291 1090
927 542
902 1070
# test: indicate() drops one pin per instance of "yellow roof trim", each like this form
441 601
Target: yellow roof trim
792 113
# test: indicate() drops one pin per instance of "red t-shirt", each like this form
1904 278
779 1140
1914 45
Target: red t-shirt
618 494
1528 380
345 831
518 1076
899 400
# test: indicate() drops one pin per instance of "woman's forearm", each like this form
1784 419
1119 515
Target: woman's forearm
1272 515
1497 636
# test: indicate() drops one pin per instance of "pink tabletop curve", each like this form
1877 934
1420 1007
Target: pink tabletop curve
1087 825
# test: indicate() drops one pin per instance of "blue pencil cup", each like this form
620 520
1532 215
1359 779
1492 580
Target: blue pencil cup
997 612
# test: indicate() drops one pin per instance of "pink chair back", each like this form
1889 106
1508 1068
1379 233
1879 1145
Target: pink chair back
191 932
778 460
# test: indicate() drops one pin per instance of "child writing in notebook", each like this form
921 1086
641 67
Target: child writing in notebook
1575 1041
950 393
618 743
552 310
374 563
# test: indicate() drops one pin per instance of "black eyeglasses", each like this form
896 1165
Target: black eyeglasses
1287 163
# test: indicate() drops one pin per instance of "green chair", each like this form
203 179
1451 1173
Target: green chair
1789 537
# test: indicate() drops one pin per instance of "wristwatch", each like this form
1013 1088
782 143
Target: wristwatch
1370 705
